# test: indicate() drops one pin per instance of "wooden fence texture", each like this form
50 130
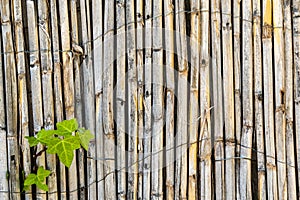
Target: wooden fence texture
195 99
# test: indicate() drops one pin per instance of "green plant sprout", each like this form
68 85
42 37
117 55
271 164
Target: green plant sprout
63 141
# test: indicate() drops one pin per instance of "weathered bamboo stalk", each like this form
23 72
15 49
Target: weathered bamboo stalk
35 76
182 104
58 97
88 95
268 100
109 136
194 99
170 98
140 91
279 93
247 101
217 100
296 55
47 91
258 82
157 103
205 146
147 100
98 75
22 89
68 84
289 112
132 101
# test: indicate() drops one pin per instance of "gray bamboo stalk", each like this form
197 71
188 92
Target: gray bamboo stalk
140 91
194 100
109 136
290 146
182 105
98 72
121 100
58 97
247 102
35 76
68 83
279 93
147 100
132 101
205 146
258 83
47 91
268 100
77 54
22 89
296 62
88 95
217 100
158 103
170 99
228 91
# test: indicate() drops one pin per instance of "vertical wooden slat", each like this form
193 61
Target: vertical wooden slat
35 76
247 101
268 99
217 100
22 89
289 121
194 98
121 100
258 82
98 75
140 91
147 99
182 104
132 100
170 96
109 136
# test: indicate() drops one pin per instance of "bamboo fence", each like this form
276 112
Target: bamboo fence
195 99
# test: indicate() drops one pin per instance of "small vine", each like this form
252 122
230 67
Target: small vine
63 141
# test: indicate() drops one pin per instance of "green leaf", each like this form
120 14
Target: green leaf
67 127
37 179
42 174
45 135
65 149
85 137
32 141
30 180
42 186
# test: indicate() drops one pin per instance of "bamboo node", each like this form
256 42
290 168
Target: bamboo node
267 31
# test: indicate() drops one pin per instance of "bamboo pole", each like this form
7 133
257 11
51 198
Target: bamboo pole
289 67
109 136
228 99
170 98
58 97
205 146
296 62
68 83
22 89
35 76
77 54
88 95
98 75
247 101
132 101
140 91
279 94
258 82
217 100
47 91
268 100
3 148
194 99
121 100
182 104
157 103
147 100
